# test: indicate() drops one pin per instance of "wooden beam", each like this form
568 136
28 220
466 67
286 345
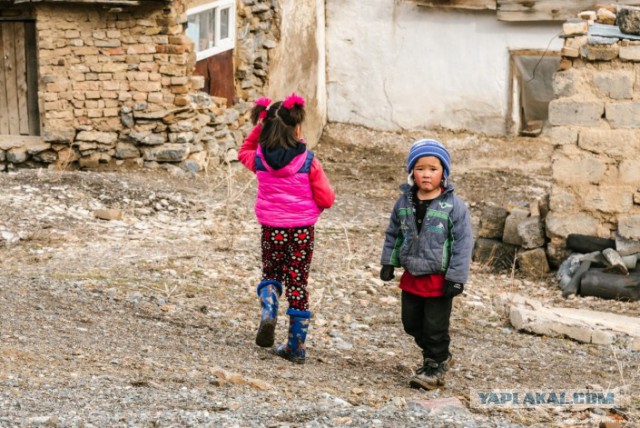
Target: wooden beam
4 105
541 10
96 2
32 77
459 4
10 75
21 79
549 10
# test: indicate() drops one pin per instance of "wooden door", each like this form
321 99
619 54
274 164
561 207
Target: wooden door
218 76
18 79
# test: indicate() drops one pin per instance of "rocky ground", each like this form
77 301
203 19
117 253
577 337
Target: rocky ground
150 320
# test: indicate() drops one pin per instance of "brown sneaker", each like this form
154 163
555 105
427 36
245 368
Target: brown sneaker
430 375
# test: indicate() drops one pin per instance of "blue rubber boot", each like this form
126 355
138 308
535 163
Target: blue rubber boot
294 350
268 291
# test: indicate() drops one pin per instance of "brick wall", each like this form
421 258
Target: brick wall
595 119
117 87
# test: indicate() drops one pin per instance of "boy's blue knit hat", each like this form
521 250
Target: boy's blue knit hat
428 147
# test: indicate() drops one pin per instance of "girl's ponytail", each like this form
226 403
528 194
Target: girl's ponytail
279 121
294 104
259 111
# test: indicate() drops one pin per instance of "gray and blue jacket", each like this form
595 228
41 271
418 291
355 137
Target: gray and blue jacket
444 244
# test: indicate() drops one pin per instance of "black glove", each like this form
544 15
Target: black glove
452 288
386 273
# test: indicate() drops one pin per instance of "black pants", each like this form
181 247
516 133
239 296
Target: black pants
427 320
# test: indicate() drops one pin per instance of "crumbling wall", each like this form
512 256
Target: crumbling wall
116 87
595 119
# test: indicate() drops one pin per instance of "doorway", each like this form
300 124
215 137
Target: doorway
19 113
531 90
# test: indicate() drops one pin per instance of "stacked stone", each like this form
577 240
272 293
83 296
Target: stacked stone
118 88
513 237
595 119
257 35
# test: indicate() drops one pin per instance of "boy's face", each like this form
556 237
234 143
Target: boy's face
427 174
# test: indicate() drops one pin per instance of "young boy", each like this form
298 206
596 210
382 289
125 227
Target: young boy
429 235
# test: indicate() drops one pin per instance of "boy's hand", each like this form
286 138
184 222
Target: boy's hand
452 289
386 273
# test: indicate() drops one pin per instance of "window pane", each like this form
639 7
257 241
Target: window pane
201 29
193 30
224 23
207 29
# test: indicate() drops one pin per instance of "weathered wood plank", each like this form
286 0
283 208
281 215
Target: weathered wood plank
103 2
459 4
21 79
32 77
8 46
4 107
540 10
548 10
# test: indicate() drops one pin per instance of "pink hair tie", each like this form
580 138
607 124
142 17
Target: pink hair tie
264 102
262 115
293 100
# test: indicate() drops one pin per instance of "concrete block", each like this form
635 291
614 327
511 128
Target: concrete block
623 114
618 144
564 135
630 53
561 225
575 168
617 85
569 112
608 199
629 227
567 83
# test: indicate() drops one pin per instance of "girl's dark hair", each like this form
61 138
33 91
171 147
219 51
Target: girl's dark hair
278 125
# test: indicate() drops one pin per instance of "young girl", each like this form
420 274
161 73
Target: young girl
293 190
429 235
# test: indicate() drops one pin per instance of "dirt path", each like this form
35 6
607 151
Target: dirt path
150 320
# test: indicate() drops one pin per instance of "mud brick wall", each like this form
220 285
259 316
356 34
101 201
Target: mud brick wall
595 119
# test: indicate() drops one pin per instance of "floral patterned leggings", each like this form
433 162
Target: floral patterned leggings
286 257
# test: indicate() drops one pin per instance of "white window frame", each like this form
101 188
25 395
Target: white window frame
220 44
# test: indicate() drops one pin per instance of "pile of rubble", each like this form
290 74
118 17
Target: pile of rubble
603 34
514 237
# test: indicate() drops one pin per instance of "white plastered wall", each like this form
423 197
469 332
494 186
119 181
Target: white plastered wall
297 64
392 65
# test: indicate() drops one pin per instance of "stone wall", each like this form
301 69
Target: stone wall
595 119
117 88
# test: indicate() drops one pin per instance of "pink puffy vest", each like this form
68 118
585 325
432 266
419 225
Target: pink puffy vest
284 196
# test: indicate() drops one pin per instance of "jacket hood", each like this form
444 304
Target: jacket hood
288 161
279 158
